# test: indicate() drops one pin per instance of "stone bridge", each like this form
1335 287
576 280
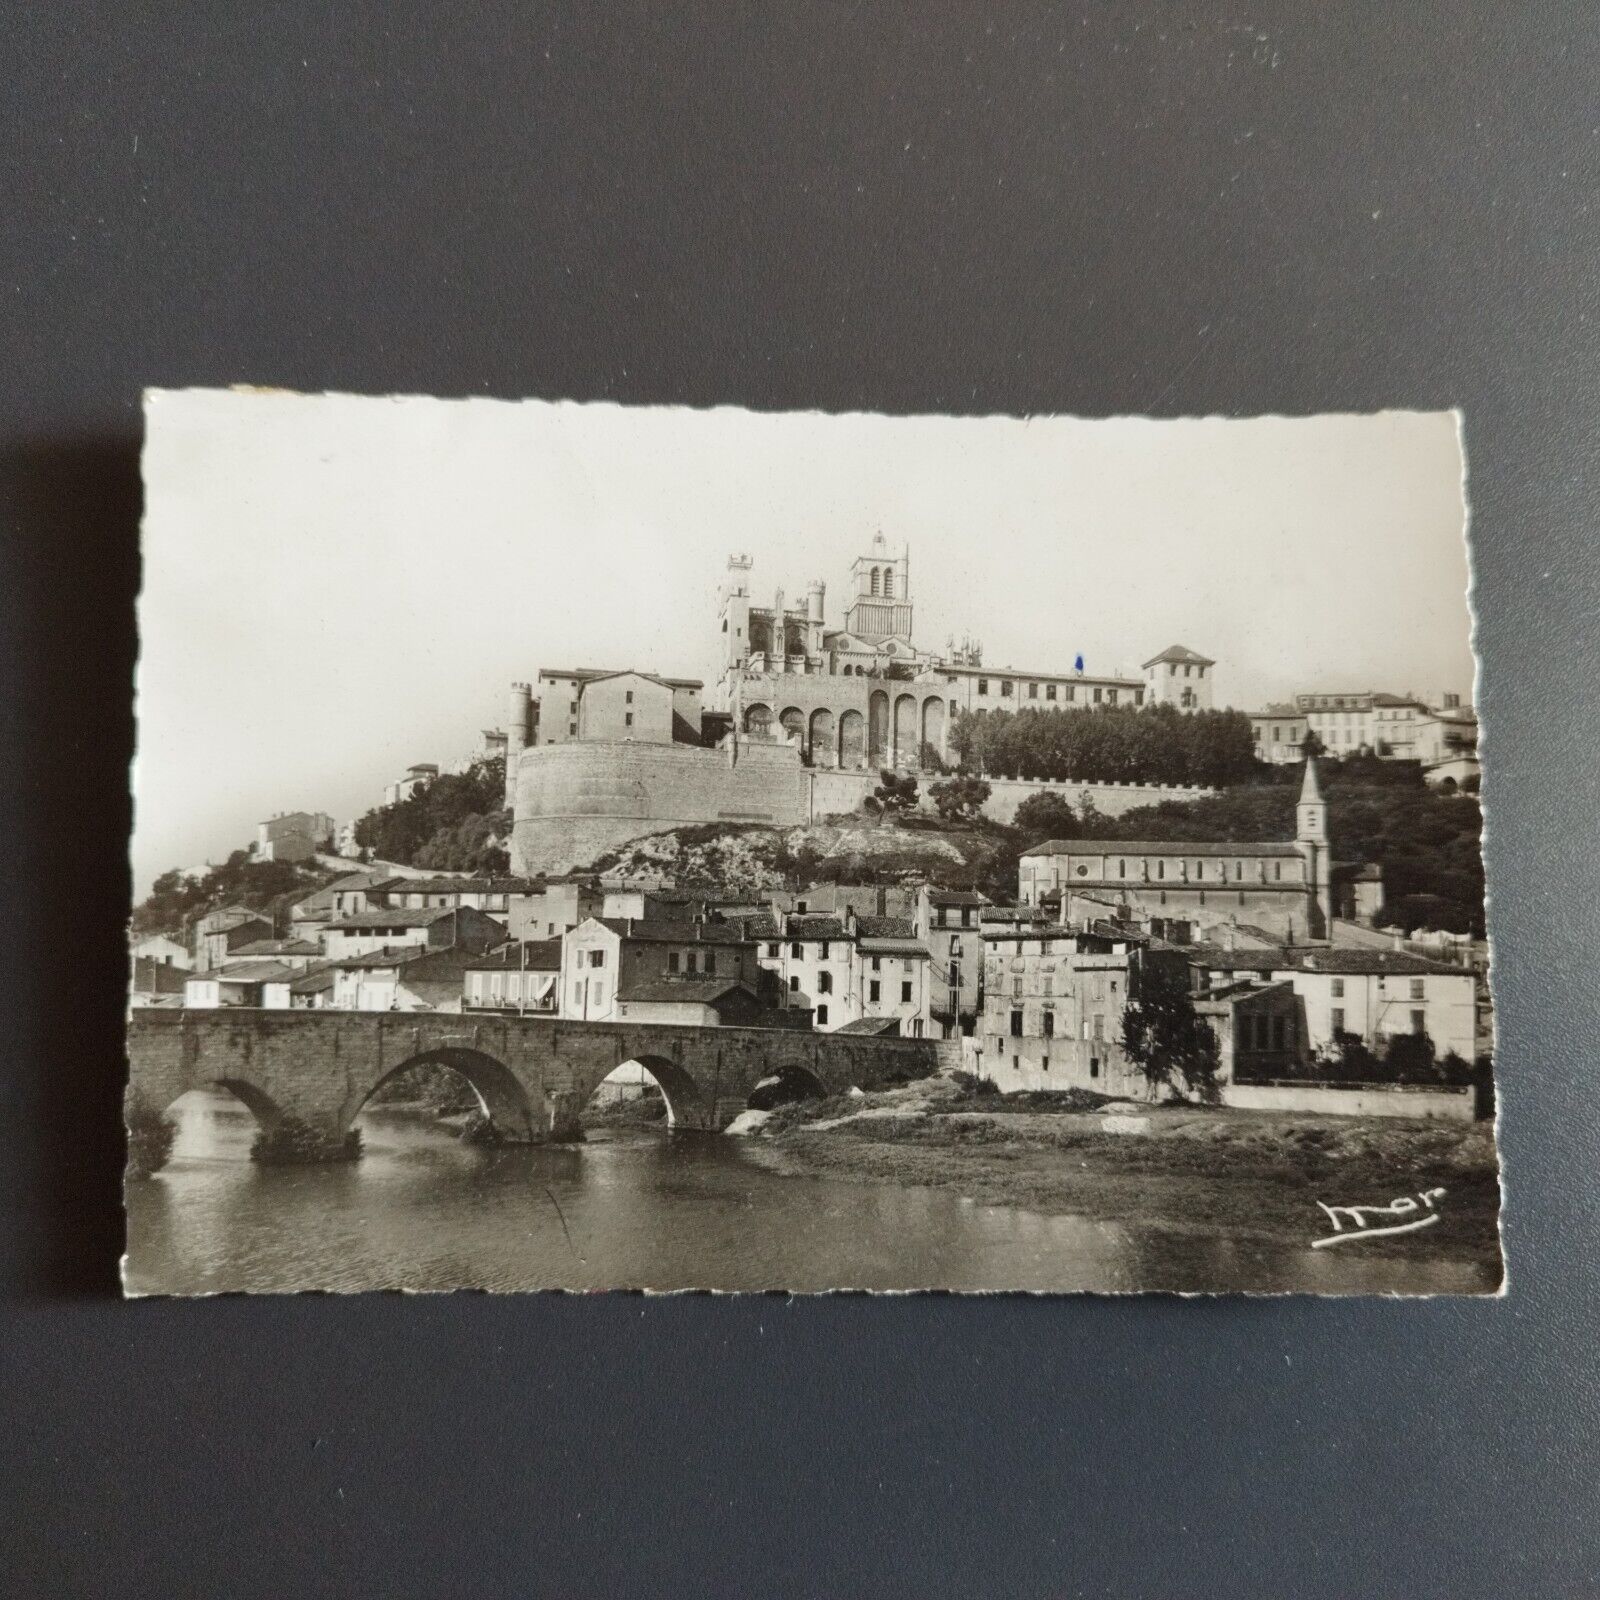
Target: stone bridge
307 1074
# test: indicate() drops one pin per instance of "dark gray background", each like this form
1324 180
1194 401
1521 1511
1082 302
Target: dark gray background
1090 208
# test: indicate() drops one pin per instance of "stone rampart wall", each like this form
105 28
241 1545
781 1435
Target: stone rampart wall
575 801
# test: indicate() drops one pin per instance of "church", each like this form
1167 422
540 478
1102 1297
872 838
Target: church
865 695
1290 890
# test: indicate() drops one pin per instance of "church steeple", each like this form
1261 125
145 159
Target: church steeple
1311 811
880 606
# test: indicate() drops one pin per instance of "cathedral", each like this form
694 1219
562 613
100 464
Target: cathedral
865 696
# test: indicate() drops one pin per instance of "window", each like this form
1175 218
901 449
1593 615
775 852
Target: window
629 697
1099 1027
1016 1024
1094 1066
794 985
1338 988
822 1016
877 964
1419 1021
1111 697
672 961
1049 1024
1416 988
1122 869
572 729
1033 691
1049 691
795 951
1161 869
822 953
627 720
1045 1064
1072 691
824 983
1277 871
1097 694
597 958
1006 687
966 916
874 988
1336 1019
711 963
772 951
905 992
1016 987
955 975
983 686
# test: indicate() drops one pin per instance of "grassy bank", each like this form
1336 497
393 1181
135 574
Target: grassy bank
1239 1174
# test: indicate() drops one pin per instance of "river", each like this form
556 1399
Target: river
641 1208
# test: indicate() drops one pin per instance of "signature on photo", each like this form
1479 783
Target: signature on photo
1373 1222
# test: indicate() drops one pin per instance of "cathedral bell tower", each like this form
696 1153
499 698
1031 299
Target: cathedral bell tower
1311 834
880 601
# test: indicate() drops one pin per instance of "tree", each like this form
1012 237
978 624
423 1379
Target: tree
1311 745
1046 816
960 799
1163 1034
930 760
895 793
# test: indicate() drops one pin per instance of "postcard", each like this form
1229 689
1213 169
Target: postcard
581 846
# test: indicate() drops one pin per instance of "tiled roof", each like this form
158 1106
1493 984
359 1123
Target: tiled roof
956 897
663 932
1336 961
1162 847
157 977
535 955
366 921
871 1025
313 981
590 674
895 947
391 955
684 991
1034 930
885 927
251 972
277 947
1179 653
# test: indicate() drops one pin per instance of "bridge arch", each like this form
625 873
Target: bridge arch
688 1105
267 1112
501 1096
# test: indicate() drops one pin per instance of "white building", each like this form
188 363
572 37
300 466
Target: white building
848 969
1279 733
163 949
1179 677
1372 994
441 928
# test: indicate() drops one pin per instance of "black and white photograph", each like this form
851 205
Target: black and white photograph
593 847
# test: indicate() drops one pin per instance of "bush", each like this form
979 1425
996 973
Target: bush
150 1137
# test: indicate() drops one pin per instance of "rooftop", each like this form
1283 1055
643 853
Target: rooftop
1337 960
533 955
1179 653
370 921
872 1025
277 947
956 897
682 991
249 972
589 674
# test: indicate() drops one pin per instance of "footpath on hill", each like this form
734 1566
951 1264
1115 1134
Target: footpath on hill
1193 1170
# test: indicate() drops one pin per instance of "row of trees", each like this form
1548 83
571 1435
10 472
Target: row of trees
455 823
1108 744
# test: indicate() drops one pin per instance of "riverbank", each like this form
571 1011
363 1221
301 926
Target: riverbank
1205 1172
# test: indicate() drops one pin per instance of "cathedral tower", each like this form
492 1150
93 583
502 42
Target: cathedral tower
880 604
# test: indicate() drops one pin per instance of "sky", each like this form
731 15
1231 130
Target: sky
337 586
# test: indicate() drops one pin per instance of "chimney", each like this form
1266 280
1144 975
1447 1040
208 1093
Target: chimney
849 920
1397 940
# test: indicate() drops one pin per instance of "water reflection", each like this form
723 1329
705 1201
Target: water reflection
422 1210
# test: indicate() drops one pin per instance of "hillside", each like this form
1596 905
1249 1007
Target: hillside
753 857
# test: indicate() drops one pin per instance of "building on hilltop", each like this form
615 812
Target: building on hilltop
1179 677
832 693
294 835
1285 886
1279 735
